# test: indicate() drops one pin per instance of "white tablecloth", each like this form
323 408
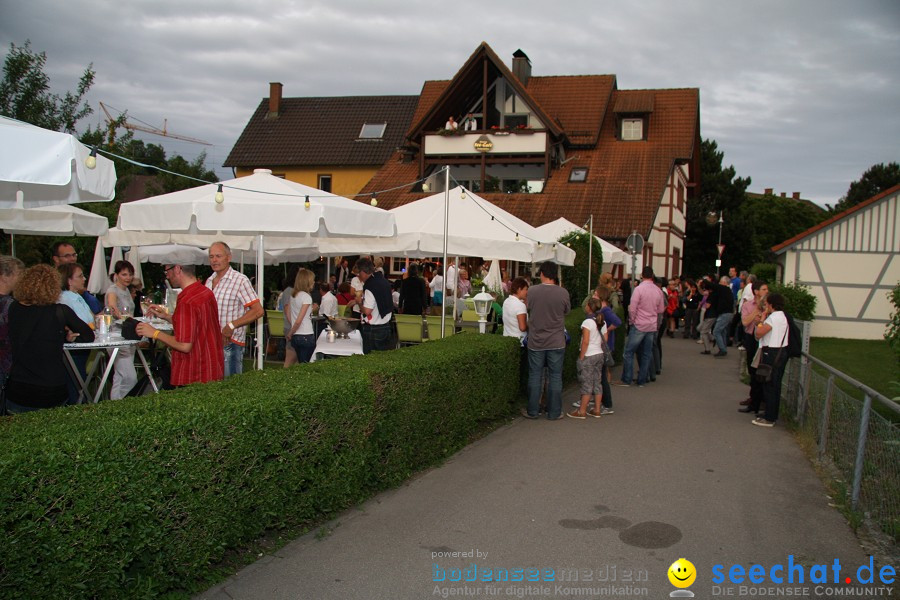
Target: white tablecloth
339 347
113 343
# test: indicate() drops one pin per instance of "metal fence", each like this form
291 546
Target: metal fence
856 432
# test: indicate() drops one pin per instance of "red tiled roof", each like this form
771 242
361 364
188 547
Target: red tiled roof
841 215
636 101
625 180
322 131
577 103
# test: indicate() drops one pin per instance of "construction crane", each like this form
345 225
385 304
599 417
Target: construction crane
146 127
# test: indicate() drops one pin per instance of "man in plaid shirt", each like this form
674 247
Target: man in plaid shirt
238 305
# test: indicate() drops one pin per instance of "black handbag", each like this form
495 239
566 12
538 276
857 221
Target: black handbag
764 370
129 329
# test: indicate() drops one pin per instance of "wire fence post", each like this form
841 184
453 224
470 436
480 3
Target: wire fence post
826 417
860 451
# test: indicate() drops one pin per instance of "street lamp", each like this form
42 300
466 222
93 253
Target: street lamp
711 220
482 303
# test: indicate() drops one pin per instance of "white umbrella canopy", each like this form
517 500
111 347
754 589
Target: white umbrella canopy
39 167
476 228
561 226
60 220
258 204
494 280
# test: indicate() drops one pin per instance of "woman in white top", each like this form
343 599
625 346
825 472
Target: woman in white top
437 291
303 340
590 361
119 300
773 340
515 312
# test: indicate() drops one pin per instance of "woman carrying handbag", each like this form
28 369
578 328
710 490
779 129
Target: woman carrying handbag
771 358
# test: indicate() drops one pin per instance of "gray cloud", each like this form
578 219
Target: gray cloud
801 96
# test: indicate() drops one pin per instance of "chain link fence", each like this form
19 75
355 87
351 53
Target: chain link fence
856 432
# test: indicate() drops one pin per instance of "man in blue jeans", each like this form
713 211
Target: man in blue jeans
724 306
548 305
643 313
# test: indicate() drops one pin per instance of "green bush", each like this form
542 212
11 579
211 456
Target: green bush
797 300
574 278
764 271
144 497
892 332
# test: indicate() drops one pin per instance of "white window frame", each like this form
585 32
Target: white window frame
373 127
630 133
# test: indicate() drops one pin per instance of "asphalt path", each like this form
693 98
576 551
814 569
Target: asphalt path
608 504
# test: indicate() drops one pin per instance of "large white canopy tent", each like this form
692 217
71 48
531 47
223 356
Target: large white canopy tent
261 205
475 228
39 167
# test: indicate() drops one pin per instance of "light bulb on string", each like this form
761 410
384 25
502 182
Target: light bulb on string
91 160
220 196
306 203
462 194
517 237
374 200
540 245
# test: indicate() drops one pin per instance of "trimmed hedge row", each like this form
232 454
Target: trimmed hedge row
143 497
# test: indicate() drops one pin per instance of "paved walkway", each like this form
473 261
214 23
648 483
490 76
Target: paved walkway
675 472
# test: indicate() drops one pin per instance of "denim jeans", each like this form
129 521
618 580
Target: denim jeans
553 360
234 359
640 342
720 331
304 345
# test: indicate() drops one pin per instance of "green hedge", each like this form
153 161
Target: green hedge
144 497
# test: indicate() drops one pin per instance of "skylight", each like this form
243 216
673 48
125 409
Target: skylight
372 131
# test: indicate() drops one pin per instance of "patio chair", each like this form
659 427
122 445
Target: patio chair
434 327
275 321
410 329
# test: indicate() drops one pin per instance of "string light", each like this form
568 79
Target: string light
306 203
220 196
462 195
91 160
540 245
517 237
374 201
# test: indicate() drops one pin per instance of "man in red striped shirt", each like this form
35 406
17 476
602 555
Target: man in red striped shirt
197 344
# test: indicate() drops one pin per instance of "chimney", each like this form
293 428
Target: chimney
795 195
274 100
521 67
783 194
769 191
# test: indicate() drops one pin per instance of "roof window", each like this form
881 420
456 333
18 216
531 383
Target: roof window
578 175
372 131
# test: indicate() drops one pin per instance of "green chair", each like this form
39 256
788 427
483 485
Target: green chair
275 321
434 327
469 319
342 310
410 329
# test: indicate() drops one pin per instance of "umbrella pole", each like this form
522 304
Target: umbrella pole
446 229
260 288
590 250
12 244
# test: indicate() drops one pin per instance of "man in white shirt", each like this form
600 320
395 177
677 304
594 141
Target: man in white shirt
378 308
328 307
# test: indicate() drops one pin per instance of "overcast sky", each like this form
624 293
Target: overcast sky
801 95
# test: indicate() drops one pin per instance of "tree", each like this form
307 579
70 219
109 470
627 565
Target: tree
722 191
25 92
875 180
771 220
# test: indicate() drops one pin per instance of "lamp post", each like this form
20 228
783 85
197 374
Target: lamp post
482 303
711 219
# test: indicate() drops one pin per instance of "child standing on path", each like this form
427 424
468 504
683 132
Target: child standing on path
590 361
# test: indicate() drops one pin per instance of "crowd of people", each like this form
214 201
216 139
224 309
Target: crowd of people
44 307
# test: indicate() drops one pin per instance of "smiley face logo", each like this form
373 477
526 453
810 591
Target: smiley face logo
682 573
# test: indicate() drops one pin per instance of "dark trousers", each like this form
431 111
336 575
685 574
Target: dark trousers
375 337
751 344
691 322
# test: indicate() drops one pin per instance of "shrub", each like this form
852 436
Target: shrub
797 300
892 333
574 278
764 271
143 497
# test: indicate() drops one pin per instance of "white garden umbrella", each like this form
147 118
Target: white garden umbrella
561 226
261 205
475 228
39 167
58 220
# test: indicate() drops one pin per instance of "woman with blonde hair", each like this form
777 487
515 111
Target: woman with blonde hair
38 328
303 339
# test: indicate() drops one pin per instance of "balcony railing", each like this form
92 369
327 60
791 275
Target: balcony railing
527 141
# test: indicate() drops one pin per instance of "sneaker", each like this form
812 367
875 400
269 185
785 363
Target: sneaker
527 416
699 341
577 404
763 422
575 415
720 354
620 383
606 411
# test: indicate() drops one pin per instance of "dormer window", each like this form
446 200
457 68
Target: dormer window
578 175
372 131
632 129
